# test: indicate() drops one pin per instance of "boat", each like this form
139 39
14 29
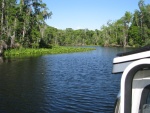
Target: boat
134 95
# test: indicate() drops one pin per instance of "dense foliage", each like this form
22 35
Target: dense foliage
22 24
129 30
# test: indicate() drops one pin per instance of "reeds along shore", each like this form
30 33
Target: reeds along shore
25 52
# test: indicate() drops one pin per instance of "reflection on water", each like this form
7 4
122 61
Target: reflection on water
63 83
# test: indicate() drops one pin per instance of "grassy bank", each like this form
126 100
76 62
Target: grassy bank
37 52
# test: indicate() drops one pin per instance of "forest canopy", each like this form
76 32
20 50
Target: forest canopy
22 24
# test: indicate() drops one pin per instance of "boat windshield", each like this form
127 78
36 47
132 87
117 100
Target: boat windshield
145 101
148 98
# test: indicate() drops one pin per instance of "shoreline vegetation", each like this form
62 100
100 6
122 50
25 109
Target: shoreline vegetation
23 25
29 52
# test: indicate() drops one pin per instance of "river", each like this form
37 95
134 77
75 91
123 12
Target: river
61 83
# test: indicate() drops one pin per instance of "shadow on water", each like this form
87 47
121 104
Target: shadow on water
21 85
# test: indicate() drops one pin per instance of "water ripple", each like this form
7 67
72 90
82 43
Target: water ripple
65 83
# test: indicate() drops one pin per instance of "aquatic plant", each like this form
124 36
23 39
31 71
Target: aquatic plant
24 52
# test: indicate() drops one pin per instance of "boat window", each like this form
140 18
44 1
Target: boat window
148 98
146 108
145 100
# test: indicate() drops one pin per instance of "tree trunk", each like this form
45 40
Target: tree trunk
12 41
42 30
24 30
55 40
15 23
2 17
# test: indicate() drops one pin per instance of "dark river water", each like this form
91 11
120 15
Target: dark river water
62 83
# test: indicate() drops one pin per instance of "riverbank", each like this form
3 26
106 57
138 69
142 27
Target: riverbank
25 52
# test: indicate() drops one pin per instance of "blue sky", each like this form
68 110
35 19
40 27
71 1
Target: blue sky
91 14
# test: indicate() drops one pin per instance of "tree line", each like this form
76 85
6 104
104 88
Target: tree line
130 30
23 24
